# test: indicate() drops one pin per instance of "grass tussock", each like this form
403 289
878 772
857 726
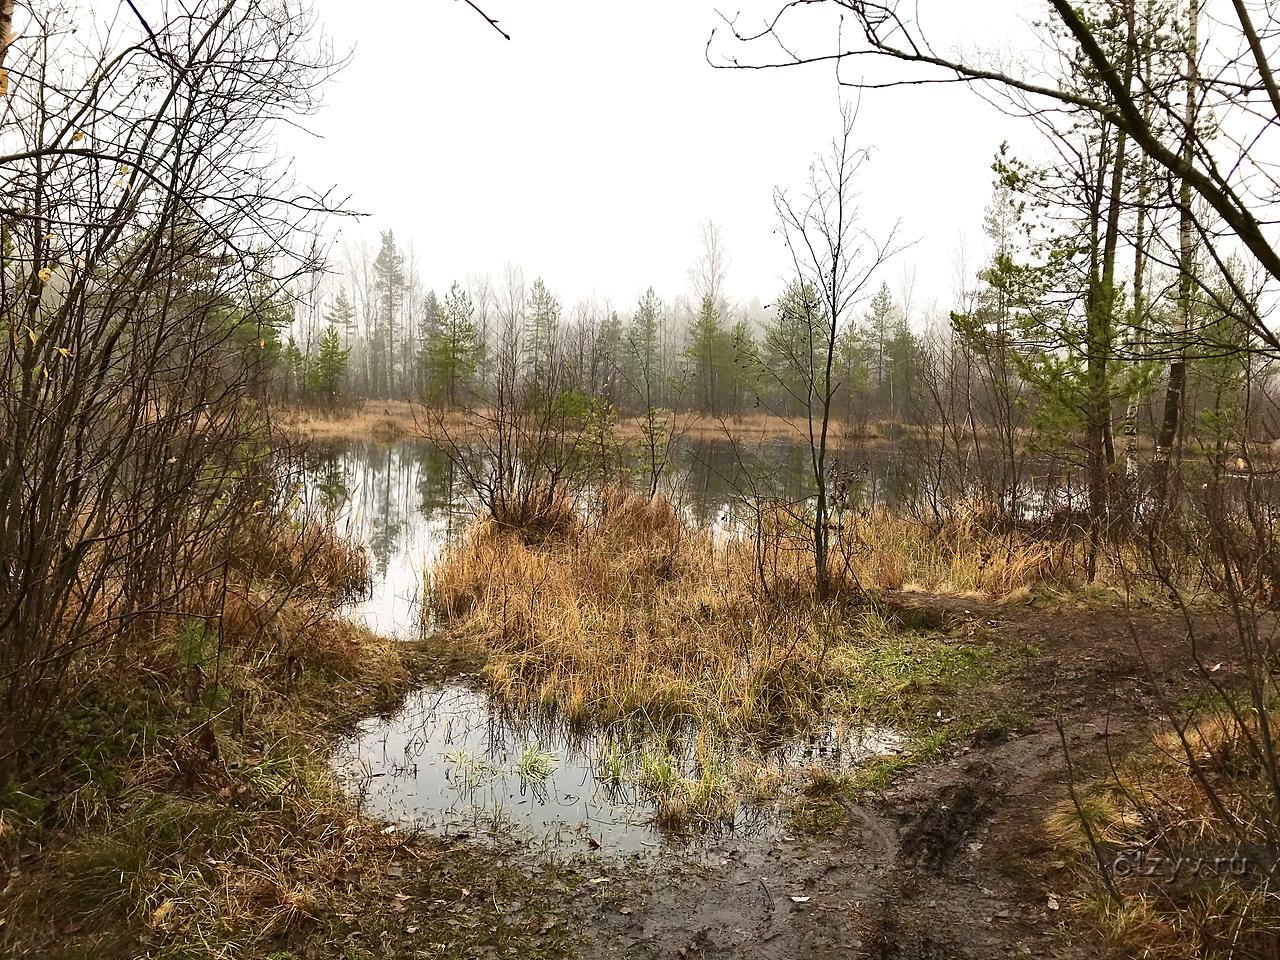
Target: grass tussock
961 554
1186 833
636 614
280 550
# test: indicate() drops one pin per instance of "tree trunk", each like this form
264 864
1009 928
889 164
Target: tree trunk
1171 424
1139 254
6 30
1102 342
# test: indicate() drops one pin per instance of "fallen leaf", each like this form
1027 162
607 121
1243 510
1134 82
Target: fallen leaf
162 911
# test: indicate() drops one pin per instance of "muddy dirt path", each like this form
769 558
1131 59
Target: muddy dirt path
950 862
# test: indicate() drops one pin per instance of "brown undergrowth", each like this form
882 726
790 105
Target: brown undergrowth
388 421
628 611
1171 848
182 803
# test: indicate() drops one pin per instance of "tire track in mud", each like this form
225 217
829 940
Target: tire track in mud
903 881
948 865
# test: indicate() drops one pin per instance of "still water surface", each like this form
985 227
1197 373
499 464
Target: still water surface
454 761
405 501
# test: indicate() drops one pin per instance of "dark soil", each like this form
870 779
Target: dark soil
951 861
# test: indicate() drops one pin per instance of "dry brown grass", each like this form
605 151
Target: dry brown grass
187 806
385 421
1190 884
632 612
274 550
388 421
223 832
961 555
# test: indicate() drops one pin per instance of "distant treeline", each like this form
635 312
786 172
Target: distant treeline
378 333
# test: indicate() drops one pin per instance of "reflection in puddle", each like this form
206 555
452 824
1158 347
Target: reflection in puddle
405 501
453 762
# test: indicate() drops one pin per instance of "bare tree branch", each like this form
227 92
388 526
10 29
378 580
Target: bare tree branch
491 21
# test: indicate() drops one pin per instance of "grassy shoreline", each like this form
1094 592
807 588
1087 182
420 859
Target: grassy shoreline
187 806
629 617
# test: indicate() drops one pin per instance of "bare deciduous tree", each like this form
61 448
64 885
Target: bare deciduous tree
1232 186
836 259
146 245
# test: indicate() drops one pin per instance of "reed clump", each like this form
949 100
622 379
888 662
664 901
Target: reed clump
958 554
279 548
638 614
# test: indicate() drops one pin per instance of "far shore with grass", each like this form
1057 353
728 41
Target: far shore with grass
388 421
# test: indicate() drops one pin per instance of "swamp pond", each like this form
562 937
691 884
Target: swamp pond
453 761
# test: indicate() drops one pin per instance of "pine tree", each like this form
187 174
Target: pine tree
455 350
329 373
854 367
644 374
295 371
705 354
342 316
542 326
791 339
428 328
742 373
880 323
611 356
644 349
903 351
388 272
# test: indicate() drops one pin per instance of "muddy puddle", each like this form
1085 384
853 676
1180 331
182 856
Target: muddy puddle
454 763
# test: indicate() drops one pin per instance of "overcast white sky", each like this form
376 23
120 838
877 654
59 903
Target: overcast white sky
589 147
